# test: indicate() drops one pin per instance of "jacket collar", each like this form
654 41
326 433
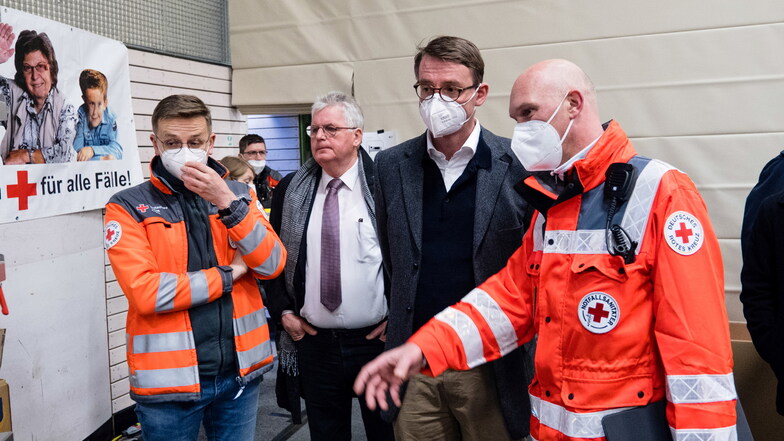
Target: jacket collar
587 173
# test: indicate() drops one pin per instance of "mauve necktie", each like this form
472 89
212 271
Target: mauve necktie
330 248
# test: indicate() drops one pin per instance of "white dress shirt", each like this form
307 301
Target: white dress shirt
361 278
452 169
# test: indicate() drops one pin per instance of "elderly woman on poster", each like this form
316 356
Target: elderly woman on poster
41 125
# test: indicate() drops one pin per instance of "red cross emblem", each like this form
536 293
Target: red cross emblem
22 190
113 232
684 233
142 208
598 312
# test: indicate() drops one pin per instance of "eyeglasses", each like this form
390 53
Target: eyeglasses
256 154
447 93
39 68
331 131
175 144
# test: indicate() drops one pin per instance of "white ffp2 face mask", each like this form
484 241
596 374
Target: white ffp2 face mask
258 165
174 159
444 117
537 144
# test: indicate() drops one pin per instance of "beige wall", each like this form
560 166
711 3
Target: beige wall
693 83
154 77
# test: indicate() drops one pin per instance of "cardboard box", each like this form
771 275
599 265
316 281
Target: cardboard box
5 407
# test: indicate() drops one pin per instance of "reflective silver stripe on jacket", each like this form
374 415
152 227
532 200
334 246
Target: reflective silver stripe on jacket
249 243
573 424
157 378
496 319
254 355
163 342
720 434
258 353
467 332
167 290
634 221
697 389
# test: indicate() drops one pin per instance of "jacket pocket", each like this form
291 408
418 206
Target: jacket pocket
635 390
606 265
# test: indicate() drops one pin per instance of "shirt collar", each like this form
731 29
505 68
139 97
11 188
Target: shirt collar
469 145
30 102
349 178
561 170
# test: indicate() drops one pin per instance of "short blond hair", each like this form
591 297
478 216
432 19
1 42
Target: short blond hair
181 106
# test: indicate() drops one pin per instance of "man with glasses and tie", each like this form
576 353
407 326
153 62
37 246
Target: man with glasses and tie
331 298
448 218
254 150
187 248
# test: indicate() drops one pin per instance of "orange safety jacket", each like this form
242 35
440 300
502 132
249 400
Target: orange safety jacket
146 240
611 335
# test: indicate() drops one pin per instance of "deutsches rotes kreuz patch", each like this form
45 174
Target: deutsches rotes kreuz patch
683 233
111 234
599 312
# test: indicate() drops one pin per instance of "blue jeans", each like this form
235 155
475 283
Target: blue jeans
225 418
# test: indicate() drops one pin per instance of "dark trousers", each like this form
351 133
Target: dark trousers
329 362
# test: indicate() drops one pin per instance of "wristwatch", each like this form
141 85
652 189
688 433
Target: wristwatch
233 206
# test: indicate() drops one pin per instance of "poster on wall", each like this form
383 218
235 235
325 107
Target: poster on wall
67 136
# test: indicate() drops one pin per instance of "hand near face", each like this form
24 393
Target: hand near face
206 183
7 37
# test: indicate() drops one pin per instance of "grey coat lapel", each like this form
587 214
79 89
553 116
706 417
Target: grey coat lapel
412 178
488 185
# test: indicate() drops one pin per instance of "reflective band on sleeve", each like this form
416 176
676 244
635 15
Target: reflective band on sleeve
175 377
269 265
250 322
167 286
467 332
720 434
249 243
254 355
639 206
498 321
200 290
573 424
165 342
700 388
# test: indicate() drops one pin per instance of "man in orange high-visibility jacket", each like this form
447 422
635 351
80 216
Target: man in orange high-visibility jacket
185 247
626 315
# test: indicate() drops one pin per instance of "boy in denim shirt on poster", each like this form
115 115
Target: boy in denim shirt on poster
96 132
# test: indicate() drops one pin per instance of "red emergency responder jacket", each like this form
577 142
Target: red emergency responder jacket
147 244
611 335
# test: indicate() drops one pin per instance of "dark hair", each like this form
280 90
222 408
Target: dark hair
456 50
181 106
93 79
30 41
247 140
236 167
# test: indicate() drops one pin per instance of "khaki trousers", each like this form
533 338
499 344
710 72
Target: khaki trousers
455 406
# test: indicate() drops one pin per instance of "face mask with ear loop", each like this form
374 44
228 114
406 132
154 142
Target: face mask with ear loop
537 144
444 117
